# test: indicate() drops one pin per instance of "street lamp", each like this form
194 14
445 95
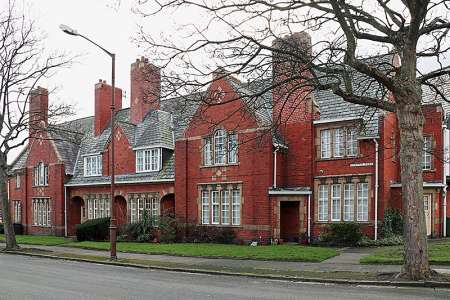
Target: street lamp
113 224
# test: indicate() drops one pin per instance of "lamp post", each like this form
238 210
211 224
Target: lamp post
113 224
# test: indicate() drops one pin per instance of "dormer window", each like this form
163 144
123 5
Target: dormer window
40 175
338 143
93 165
221 148
148 160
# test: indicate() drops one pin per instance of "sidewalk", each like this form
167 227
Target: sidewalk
344 268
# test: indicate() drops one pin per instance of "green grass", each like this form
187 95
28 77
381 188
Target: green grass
439 254
44 240
283 252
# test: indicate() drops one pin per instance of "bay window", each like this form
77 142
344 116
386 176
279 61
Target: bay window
338 142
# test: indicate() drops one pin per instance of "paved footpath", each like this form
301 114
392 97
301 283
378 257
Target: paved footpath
348 260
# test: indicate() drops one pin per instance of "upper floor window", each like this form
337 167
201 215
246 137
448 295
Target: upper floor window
40 175
426 154
17 180
148 160
338 142
93 165
220 149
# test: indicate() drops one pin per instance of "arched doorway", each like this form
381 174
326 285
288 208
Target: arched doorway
76 216
120 210
168 205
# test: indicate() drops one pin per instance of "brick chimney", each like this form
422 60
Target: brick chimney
103 93
38 109
145 89
288 99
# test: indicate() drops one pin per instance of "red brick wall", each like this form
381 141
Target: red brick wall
124 155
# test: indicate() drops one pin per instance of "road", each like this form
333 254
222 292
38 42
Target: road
23 277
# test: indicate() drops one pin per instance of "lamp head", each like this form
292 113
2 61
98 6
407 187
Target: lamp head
68 30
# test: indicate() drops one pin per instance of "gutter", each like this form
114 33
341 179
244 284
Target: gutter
120 182
65 211
376 187
444 178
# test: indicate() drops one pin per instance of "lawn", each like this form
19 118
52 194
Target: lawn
439 254
44 240
283 252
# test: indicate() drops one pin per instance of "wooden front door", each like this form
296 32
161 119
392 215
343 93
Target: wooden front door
427 209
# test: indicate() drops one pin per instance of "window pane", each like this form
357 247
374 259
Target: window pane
352 142
139 161
207 152
325 143
225 207
323 203
336 202
215 207
205 207
232 148
349 199
236 199
219 147
363 205
338 139
426 155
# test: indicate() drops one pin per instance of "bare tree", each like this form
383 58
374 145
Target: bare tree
22 65
355 43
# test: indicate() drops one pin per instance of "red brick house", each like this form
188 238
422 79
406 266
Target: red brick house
226 164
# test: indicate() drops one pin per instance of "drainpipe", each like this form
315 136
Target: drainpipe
444 177
275 167
376 187
65 211
309 218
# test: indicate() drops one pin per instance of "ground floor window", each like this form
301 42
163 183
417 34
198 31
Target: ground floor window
339 201
97 207
221 207
140 203
17 213
41 212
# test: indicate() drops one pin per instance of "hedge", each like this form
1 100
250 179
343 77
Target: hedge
93 230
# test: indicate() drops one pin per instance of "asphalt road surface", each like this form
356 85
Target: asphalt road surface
23 277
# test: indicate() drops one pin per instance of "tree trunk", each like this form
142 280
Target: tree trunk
10 237
410 119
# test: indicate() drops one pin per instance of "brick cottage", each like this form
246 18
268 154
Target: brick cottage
224 165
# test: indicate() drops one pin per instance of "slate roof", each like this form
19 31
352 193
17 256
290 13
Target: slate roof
21 160
430 96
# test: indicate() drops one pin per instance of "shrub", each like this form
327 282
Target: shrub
142 231
343 234
93 230
2 229
168 229
393 240
226 236
392 223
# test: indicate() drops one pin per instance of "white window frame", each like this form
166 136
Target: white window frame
17 212
41 212
236 207
205 208
220 147
207 152
40 174
232 148
97 207
93 165
225 207
322 214
148 160
140 204
325 143
338 142
363 202
18 181
351 142
336 190
215 208
349 202
427 156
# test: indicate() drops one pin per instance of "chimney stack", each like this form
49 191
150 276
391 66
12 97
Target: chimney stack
38 105
145 89
103 94
293 60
